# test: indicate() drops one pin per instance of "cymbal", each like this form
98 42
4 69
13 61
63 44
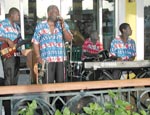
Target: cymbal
78 39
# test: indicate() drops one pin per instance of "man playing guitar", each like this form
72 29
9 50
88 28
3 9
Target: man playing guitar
9 32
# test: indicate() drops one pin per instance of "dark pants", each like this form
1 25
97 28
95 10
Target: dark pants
55 72
1 82
11 67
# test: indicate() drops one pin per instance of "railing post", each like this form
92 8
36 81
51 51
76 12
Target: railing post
2 111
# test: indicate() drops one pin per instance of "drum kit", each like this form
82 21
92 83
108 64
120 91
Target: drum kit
75 67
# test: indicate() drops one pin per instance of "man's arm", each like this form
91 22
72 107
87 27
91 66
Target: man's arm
126 58
67 34
3 39
7 40
37 52
132 58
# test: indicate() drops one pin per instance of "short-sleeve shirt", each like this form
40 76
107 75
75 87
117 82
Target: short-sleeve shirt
52 47
9 31
121 49
91 48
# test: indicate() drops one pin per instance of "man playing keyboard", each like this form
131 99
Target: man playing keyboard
123 47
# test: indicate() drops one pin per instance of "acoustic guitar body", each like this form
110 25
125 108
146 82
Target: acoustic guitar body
6 51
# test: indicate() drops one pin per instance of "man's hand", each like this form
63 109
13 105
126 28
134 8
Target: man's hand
132 58
39 60
61 20
10 42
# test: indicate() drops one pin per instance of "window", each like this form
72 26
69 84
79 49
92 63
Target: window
146 29
108 15
81 15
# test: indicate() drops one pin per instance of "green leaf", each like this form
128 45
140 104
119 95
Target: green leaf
66 111
134 113
111 94
128 112
22 111
106 113
108 105
30 113
122 103
148 107
119 111
87 110
72 113
58 112
33 105
95 106
29 110
143 112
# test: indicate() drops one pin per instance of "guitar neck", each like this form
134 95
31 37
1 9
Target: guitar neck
27 41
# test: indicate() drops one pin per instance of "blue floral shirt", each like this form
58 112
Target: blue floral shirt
123 50
9 31
52 47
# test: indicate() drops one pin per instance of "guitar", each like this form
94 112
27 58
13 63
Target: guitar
7 52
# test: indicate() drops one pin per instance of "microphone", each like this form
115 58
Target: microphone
59 18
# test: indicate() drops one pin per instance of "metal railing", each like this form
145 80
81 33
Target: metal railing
75 95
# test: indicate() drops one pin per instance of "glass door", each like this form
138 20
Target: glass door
108 21
146 29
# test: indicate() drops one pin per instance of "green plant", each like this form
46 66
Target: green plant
116 107
66 111
95 109
29 110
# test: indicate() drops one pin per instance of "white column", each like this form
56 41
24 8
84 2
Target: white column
2 11
140 29
22 21
100 21
120 14
21 18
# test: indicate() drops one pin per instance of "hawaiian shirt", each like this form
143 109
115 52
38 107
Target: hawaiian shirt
121 49
9 31
88 46
52 47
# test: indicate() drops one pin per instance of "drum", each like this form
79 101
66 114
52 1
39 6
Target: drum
103 55
73 53
90 59
74 71
77 69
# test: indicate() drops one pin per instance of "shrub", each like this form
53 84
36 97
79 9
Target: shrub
116 107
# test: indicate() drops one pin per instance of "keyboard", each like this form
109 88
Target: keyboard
117 64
